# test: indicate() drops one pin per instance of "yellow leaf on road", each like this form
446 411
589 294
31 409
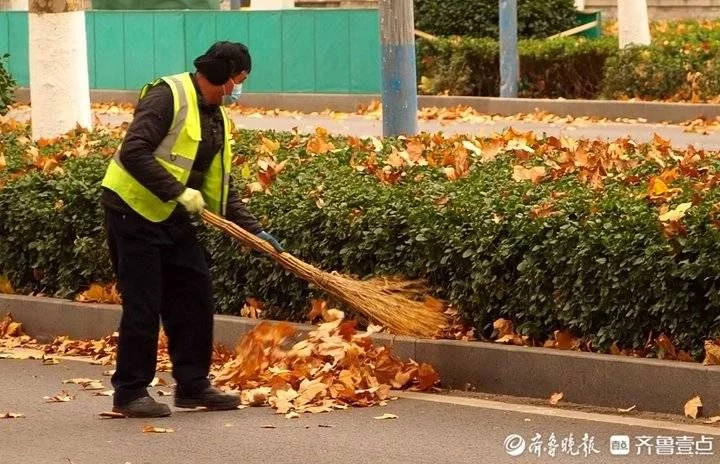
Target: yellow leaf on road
153 429
386 416
11 415
62 397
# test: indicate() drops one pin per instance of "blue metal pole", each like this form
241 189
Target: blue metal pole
399 89
509 58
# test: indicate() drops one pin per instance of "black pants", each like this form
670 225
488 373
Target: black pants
163 274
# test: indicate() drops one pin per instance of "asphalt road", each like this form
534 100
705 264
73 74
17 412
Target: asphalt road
447 430
363 126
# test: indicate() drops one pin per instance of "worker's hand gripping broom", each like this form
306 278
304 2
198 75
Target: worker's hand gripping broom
389 303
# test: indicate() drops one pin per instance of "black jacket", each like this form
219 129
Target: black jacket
150 125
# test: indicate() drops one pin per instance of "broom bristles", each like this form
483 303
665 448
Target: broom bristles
392 303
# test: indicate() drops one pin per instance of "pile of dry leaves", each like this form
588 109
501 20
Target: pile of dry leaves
333 367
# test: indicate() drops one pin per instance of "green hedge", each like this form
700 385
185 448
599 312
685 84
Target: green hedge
667 69
682 63
567 67
7 85
599 265
479 18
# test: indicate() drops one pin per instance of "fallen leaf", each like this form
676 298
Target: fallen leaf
712 353
268 426
693 408
62 397
712 420
104 393
292 415
477 151
565 341
555 398
111 415
386 416
675 214
153 429
534 174
97 385
12 415
626 410
504 327
164 393
6 287
325 426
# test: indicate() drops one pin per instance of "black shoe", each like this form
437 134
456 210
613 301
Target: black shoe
143 407
210 398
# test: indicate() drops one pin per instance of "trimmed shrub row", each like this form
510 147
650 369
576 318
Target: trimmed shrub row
566 237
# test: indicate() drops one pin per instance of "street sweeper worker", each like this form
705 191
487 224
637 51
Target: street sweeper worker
174 161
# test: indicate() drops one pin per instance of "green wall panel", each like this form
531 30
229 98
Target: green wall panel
298 39
331 51
199 35
139 55
109 51
265 43
232 26
18 64
4 35
168 37
365 53
332 46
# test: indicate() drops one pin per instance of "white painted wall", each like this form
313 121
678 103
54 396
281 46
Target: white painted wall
59 87
19 5
633 25
272 4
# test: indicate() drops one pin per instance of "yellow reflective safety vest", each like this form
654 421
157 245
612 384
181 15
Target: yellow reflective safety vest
176 153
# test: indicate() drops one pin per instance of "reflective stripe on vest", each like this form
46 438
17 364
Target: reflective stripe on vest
176 153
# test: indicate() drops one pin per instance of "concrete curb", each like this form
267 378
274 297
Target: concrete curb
585 378
652 112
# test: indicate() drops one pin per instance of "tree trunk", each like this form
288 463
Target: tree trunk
59 83
633 23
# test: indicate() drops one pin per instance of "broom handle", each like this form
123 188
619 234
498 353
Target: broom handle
238 232
305 271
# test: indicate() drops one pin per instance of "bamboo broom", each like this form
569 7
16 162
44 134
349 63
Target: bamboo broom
390 303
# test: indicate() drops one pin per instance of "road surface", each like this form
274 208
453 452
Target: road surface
428 429
365 126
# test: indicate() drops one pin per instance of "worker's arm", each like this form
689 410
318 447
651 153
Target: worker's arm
153 117
238 213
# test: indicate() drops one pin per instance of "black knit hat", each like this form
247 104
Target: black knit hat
223 60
